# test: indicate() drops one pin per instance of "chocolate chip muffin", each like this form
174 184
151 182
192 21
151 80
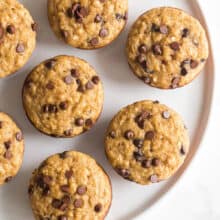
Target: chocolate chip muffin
87 24
146 142
63 96
167 48
11 148
17 36
70 185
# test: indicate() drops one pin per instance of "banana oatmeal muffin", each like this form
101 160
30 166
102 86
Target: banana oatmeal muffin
87 24
17 36
70 186
167 48
11 148
63 96
146 142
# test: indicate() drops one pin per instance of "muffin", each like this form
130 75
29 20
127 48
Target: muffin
146 142
17 36
63 96
11 148
167 48
87 24
70 185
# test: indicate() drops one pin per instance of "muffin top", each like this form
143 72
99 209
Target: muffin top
70 185
87 24
167 48
17 36
11 148
146 142
63 96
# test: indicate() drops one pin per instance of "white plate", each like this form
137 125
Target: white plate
193 102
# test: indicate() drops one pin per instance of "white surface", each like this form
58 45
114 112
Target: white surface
121 88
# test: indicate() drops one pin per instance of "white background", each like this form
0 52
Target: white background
197 195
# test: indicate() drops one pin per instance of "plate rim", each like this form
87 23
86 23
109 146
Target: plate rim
205 124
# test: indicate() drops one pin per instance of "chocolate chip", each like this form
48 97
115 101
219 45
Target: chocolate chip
64 34
20 48
175 82
129 134
75 73
70 12
139 156
81 190
89 85
184 71
56 203
142 48
156 102
49 108
175 46
63 105
82 12
1 124
163 29
7 144
156 162
141 118
203 60
138 143
68 79
98 207
63 207
118 16
63 155
112 134
47 179
89 122
155 28
165 114
62 217
8 179
10 29
66 199
182 150
46 191
81 88
103 32
50 63
123 172
157 50
185 32
146 79
8 154
19 136
193 64
149 135
50 85
94 41
146 163
140 58
64 188
68 174
79 122
153 178
34 26
68 132
78 203
95 80
98 18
